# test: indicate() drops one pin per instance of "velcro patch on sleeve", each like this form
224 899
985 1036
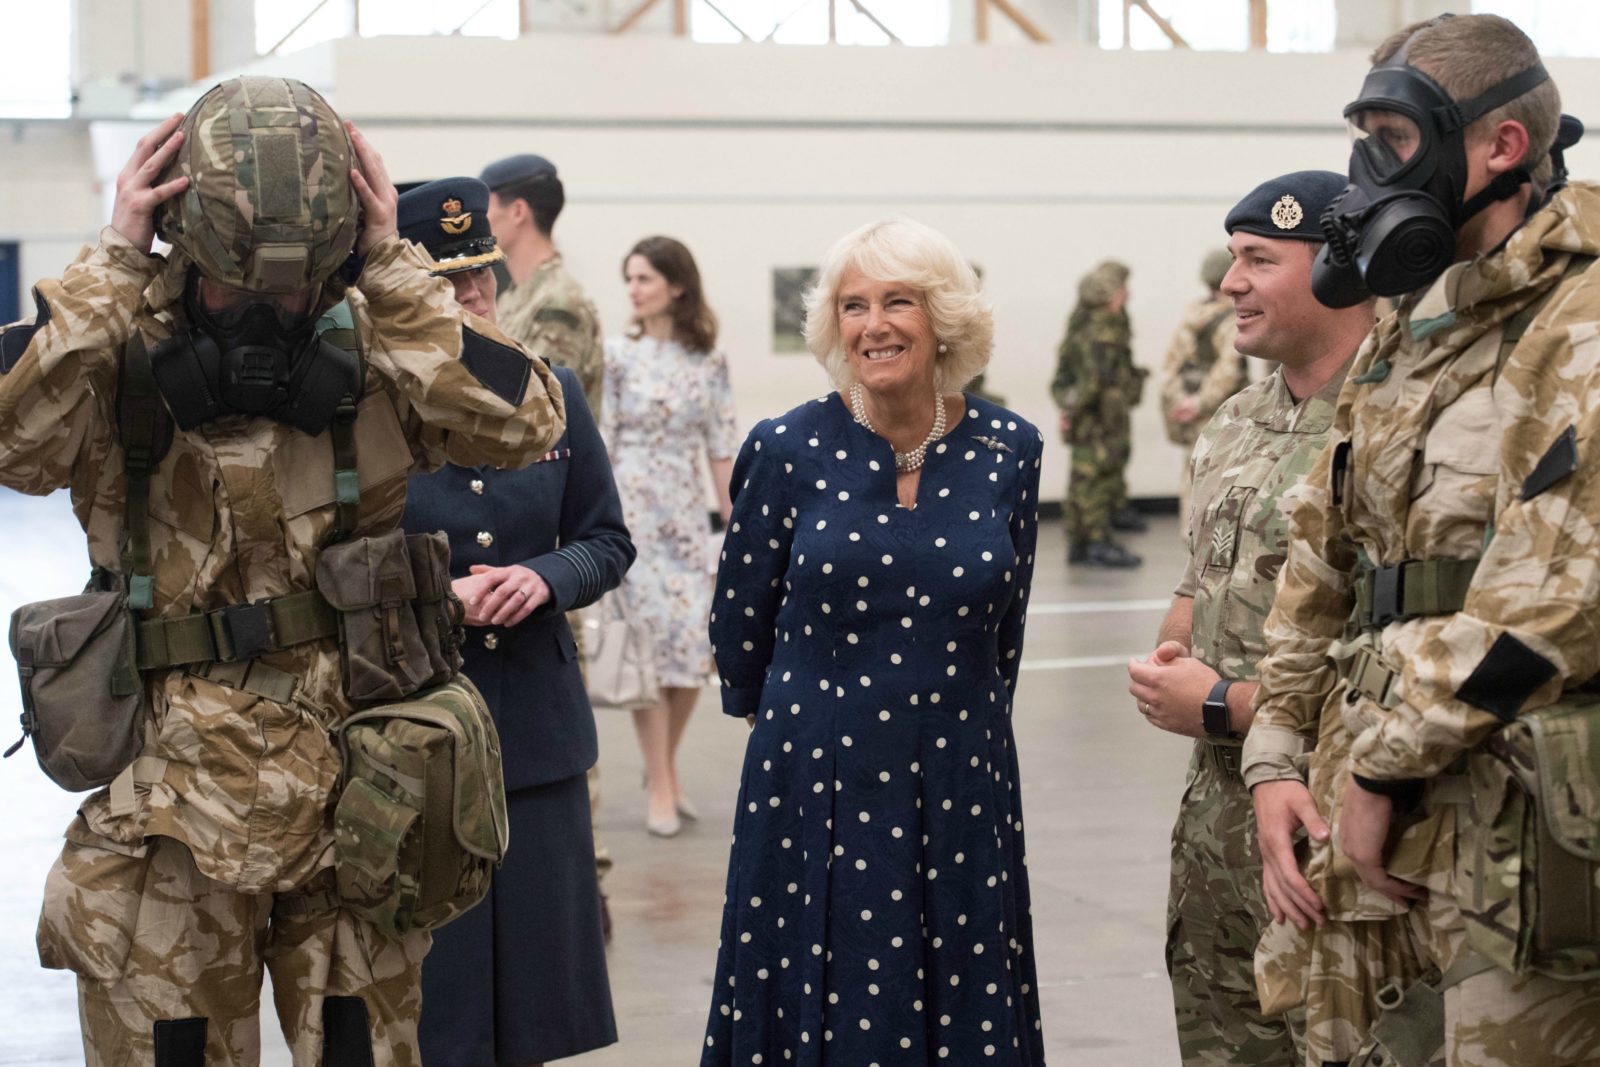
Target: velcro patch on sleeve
1560 461
1505 678
502 369
15 341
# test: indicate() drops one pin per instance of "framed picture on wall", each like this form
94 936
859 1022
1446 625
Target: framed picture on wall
788 308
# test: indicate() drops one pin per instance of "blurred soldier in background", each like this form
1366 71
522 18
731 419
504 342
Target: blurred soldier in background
1202 368
1097 387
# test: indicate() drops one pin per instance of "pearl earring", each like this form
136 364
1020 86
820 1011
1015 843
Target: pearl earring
943 348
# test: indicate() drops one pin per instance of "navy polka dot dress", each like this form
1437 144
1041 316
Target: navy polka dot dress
877 895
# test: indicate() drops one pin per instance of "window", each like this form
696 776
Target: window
1558 27
1222 25
293 24
36 64
917 22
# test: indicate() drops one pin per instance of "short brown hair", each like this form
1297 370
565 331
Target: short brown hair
1469 54
694 325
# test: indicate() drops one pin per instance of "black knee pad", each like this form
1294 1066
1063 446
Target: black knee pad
180 1042
346 1033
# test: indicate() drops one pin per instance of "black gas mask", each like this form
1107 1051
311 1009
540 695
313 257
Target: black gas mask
253 358
1393 229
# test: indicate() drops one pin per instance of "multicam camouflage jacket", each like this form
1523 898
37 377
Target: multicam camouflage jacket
1097 383
550 315
1251 457
241 509
1201 362
1444 447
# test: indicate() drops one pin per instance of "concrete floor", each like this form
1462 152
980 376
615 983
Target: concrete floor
1100 788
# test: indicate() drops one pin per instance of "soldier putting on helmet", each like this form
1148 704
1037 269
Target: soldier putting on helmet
240 479
1425 708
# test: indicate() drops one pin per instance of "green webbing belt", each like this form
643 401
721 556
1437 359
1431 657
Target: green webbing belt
1409 589
236 631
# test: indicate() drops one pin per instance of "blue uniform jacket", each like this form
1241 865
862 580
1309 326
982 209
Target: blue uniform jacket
559 516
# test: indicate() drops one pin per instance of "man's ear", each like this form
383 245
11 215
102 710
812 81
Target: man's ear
1508 146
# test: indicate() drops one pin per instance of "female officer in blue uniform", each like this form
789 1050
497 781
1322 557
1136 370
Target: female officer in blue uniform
521 979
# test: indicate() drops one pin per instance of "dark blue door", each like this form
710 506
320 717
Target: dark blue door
9 282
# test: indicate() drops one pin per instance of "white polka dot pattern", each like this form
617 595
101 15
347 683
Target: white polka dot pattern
879 822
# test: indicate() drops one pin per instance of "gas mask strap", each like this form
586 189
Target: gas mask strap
1503 187
1461 115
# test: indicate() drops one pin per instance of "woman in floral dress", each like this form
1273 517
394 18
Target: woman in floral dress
667 400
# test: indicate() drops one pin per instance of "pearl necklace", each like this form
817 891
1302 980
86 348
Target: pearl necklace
903 461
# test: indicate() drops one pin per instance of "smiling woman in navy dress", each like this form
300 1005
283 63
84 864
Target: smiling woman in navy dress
868 622
521 978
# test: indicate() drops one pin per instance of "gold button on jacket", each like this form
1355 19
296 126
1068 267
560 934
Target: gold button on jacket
491 641
485 539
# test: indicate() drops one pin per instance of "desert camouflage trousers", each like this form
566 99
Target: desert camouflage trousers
1215 915
169 963
1493 1019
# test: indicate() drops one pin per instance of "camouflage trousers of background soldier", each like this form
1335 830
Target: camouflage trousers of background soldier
169 963
1096 490
1215 915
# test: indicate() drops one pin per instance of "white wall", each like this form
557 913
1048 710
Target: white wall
1038 161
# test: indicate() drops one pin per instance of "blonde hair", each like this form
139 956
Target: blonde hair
1469 54
898 249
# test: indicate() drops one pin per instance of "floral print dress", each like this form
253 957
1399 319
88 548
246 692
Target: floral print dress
663 407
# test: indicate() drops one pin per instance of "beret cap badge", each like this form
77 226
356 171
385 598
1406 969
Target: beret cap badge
454 222
1287 213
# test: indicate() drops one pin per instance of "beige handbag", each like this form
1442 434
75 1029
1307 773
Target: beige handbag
621 666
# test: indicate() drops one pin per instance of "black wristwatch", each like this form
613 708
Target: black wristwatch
1214 713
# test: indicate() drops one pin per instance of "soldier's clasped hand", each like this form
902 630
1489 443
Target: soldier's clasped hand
1364 837
134 212
1281 809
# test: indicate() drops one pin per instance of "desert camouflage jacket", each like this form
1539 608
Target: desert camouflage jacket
550 315
1209 372
1449 451
240 510
1253 454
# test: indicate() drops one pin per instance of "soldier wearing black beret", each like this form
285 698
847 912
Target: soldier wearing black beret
1199 680
522 977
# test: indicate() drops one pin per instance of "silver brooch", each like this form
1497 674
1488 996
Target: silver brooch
992 445
1287 213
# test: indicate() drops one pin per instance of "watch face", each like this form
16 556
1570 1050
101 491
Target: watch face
1214 717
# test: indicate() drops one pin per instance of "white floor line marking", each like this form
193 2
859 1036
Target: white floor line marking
1096 607
1076 662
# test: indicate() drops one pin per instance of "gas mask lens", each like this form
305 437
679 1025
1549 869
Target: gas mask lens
1386 140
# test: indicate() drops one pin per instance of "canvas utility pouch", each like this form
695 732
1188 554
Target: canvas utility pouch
440 614
421 823
373 585
1529 851
83 702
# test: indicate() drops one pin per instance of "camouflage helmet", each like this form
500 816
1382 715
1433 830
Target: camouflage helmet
1098 286
269 207
1215 267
